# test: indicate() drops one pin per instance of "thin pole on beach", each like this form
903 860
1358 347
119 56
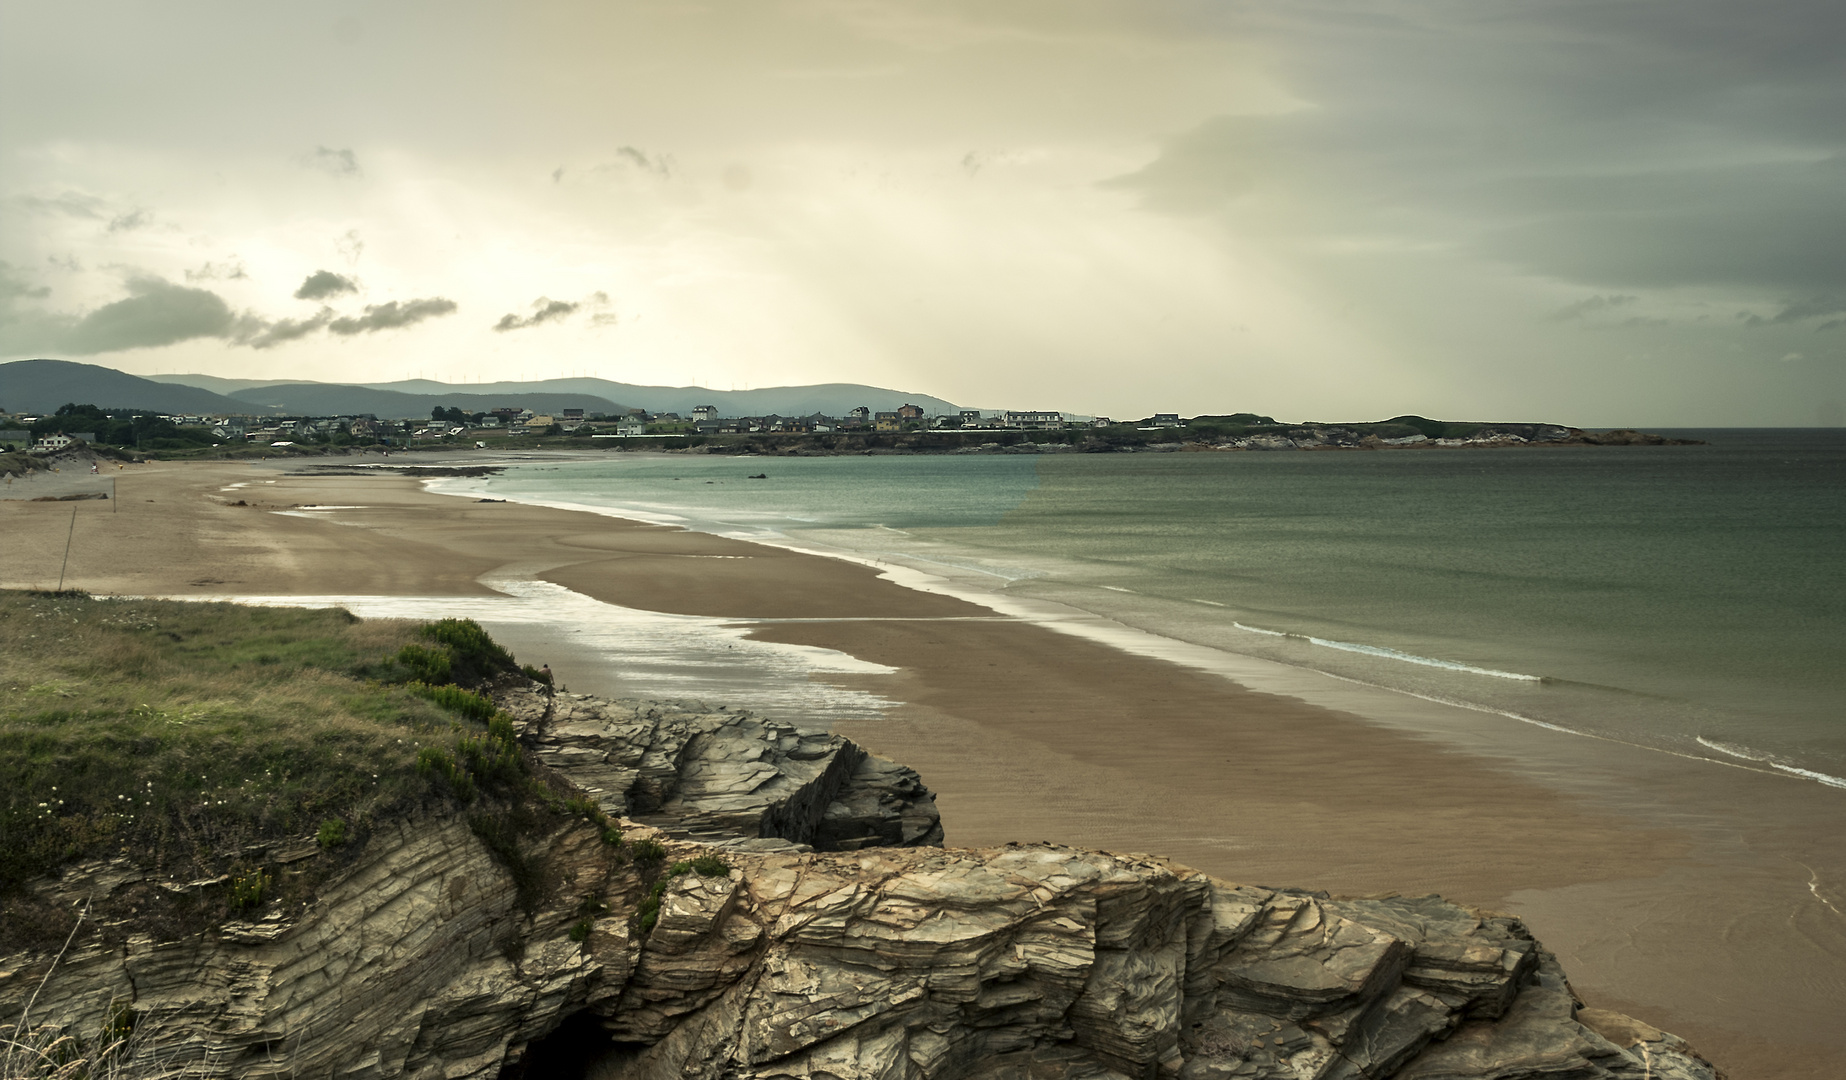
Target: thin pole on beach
67 548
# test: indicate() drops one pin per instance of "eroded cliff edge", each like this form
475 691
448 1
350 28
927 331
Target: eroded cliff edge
878 955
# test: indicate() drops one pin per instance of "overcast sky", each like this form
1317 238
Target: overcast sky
1599 212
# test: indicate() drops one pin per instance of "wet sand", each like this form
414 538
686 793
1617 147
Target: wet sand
1693 896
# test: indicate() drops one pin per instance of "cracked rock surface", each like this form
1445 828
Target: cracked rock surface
723 776
884 959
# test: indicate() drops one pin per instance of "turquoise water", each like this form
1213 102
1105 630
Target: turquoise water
1691 598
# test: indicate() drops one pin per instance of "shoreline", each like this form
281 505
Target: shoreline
1069 609
1636 870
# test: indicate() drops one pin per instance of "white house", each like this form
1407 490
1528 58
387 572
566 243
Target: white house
1034 420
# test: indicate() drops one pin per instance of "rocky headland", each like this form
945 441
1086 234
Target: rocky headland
781 906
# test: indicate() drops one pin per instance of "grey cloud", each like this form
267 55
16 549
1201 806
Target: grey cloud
1814 307
69 204
155 313
390 316
1769 226
1648 144
600 315
158 312
1219 161
340 163
1593 305
324 283
230 271
659 164
68 263
262 334
350 246
544 310
130 221
14 285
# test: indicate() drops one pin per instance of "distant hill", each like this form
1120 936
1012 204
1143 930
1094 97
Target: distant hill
219 385
833 399
43 386
333 399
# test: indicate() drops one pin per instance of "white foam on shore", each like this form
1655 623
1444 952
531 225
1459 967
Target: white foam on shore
1771 761
1389 654
1308 684
653 654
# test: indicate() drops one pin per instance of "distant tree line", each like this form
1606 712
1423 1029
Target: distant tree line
123 427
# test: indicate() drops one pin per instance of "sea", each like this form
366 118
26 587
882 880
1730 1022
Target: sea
1689 599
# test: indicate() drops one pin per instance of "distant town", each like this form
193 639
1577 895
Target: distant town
502 426
908 429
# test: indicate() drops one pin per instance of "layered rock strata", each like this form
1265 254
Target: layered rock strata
895 963
725 776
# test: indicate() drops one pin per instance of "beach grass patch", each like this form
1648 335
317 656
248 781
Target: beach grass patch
192 737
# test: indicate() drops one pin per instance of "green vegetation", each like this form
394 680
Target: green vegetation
331 834
194 737
247 888
704 866
126 428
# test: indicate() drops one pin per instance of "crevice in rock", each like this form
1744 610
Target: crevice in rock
569 1052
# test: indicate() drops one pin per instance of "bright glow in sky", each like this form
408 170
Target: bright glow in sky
1596 213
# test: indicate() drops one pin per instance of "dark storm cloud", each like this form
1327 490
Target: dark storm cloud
1814 307
324 283
392 315
260 334
1761 226
544 310
341 163
155 313
1645 144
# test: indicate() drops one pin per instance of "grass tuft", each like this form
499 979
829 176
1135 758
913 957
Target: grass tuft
648 852
331 834
194 737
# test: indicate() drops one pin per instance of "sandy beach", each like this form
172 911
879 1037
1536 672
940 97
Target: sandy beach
1696 897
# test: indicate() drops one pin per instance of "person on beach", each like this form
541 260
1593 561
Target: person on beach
550 687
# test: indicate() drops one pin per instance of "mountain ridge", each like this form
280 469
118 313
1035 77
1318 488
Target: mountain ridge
832 399
45 385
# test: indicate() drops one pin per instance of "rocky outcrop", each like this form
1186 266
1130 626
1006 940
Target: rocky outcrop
725 776
893 960
417 962
1024 961
1048 962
